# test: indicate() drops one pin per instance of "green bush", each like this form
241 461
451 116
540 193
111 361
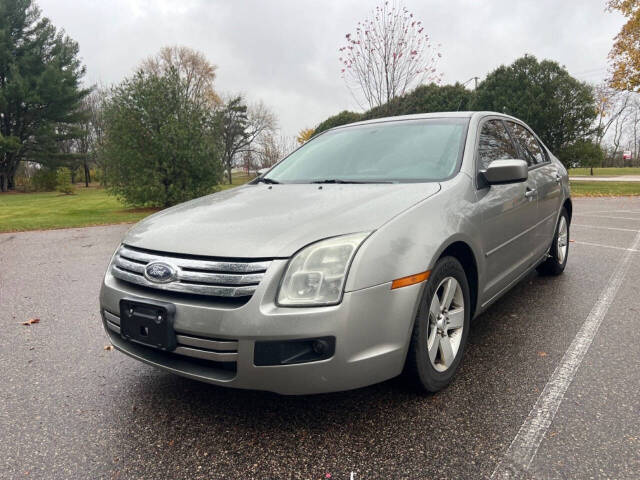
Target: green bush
163 147
44 180
423 99
63 181
585 153
341 118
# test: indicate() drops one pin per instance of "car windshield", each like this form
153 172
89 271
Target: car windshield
398 151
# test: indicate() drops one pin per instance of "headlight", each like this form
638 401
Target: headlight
316 274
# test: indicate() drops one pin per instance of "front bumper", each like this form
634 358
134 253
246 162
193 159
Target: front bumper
372 327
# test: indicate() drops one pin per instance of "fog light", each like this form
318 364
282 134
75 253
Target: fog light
320 347
289 352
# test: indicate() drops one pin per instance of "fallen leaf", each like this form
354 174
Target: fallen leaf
171 443
108 347
31 321
542 354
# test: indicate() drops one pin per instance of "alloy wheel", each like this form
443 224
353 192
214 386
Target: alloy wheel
446 322
563 240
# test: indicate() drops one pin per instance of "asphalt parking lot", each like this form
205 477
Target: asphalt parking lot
71 409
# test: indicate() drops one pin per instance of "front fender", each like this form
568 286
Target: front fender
413 241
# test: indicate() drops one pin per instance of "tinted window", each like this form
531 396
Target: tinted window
530 146
495 144
409 150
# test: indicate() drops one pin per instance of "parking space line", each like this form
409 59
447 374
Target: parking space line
577 242
520 454
604 216
610 211
605 228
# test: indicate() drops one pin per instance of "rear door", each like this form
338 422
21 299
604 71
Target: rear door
508 213
548 183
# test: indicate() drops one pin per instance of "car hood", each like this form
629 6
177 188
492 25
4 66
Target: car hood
264 221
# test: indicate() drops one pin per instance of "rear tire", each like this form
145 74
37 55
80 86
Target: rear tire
441 327
559 251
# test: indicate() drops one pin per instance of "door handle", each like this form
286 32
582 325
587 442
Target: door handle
530 192
558 178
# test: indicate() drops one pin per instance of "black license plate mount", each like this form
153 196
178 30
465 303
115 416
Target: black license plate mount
149 323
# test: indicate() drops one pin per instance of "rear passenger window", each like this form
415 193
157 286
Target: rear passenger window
495 144
530 146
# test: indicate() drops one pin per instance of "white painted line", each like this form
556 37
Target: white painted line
605 228
523 449
604 216
604 211
576 242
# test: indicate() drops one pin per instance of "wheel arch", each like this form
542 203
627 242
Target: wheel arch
568 206
462 251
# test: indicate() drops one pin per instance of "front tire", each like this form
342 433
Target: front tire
441 327
559 251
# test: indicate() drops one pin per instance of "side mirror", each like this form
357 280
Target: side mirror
506 171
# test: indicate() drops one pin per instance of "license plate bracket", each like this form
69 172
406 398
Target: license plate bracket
148 322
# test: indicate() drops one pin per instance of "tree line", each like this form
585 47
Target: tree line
165 134
161 136
580 123
388 57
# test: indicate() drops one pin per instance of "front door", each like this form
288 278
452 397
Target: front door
508 214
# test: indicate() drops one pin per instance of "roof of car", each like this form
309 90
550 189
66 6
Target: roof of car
418 116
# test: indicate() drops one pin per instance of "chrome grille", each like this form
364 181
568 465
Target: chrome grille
218 278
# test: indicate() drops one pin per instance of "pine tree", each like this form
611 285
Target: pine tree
40 91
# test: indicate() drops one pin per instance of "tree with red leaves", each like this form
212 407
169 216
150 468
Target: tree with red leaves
389 54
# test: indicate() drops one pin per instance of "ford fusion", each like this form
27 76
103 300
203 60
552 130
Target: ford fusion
362 255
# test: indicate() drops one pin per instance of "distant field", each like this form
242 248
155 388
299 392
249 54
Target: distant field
88 206
581 188
606 172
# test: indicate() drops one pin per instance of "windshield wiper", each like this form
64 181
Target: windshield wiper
337 180
270 181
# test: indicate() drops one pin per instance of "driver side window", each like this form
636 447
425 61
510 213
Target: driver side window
494 144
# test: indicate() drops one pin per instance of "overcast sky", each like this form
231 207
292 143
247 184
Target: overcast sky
285 52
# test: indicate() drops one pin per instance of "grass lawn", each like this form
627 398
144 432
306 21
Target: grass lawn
603 189
236 179
93 206
89 206
606 172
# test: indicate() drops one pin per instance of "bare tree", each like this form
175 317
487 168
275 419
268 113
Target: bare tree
79 143
610 104
617 127
95 127
197 73
388 54
240 127
618 130
249 162
273 147
633 129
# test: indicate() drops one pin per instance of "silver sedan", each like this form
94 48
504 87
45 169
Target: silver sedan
364 254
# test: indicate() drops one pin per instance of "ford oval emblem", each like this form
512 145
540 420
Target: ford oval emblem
160 272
